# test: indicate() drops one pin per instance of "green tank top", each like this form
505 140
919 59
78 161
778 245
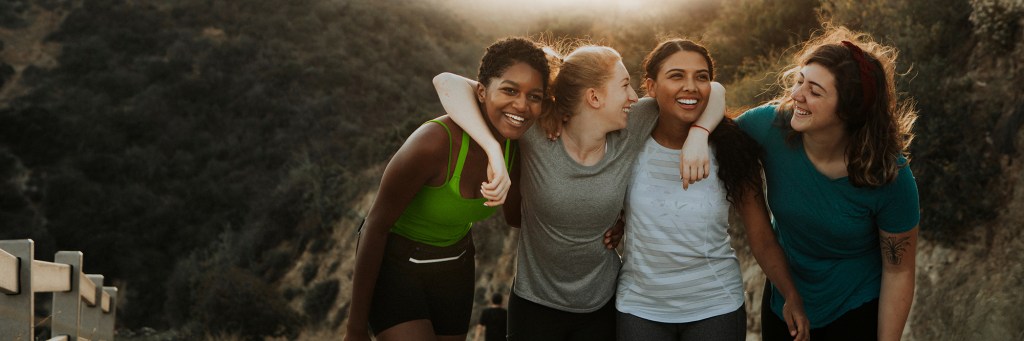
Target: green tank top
440 216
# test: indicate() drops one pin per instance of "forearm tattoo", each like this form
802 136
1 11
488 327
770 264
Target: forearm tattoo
893 249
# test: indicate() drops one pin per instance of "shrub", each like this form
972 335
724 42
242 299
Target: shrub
319 300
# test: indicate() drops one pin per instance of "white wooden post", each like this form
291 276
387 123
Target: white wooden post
109 316
68 304
90 319
17 310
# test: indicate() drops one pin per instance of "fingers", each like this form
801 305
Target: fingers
798 325
612 238
685 175
496 188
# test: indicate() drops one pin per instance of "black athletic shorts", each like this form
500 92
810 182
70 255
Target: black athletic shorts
419 281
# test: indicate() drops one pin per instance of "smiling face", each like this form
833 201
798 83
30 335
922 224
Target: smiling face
682 86
512 101
619 96
815 100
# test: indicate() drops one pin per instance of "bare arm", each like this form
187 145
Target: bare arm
460 102
899 258
694 163
772 260
414 165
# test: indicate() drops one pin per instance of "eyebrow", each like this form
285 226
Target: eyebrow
813 83
683 70
514 84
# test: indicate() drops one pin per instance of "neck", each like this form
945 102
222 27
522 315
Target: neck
826 146
585 139
671 132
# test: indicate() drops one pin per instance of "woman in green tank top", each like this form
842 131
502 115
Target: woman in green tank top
414 269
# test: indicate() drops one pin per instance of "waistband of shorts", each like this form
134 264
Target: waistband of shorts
401 248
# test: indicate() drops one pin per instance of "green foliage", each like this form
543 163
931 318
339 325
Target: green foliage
750 30
997 22
11 13
6 71
236 302
170 127
319 300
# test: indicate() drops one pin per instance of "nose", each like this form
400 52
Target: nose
519 103
796 94
689 84
633 97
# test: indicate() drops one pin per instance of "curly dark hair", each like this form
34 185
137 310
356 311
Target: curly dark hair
506 52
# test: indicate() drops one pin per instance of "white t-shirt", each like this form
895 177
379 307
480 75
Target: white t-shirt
678 265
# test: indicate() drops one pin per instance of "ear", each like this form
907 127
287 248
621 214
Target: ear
650 85
593 98
481 92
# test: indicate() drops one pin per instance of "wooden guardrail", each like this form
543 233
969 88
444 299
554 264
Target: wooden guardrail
83 309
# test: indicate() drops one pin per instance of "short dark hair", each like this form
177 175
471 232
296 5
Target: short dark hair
506 52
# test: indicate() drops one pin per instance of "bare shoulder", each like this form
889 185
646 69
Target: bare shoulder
430 139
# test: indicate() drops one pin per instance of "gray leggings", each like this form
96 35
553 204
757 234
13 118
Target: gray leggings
730 326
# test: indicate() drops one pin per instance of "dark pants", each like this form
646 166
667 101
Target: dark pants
859 324
528 321
729 326
419 281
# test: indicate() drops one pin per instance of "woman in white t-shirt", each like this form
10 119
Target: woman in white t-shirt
680 278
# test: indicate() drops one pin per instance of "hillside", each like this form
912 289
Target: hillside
219 156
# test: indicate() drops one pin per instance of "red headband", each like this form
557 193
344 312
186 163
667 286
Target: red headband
867 78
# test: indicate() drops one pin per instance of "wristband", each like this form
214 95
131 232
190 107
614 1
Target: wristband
698 126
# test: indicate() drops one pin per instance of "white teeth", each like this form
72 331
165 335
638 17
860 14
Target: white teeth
687 101
799 111
515 117
625 110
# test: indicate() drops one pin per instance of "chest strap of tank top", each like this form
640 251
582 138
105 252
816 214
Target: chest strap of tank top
463 151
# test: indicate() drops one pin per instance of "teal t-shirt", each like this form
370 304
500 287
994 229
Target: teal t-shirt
827 227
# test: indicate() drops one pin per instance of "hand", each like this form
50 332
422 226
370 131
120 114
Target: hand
554 128
796 319
498 182
694 163
613 236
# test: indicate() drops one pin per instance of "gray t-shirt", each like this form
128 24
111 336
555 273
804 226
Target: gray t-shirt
562 262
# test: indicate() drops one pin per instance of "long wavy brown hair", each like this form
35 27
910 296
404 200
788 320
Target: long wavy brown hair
879 126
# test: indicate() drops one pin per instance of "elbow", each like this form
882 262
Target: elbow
717 87
441 78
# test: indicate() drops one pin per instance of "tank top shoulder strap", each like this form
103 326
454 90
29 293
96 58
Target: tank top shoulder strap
463 150
447 165
510 153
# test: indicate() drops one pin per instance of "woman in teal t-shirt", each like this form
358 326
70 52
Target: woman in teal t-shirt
843 197
414 271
